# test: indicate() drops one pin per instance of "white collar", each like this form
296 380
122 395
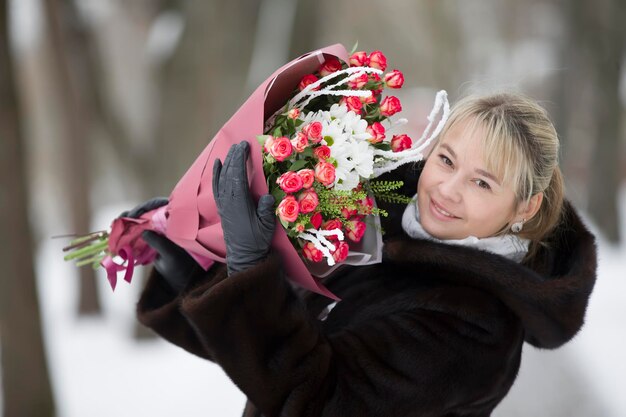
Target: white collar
508 245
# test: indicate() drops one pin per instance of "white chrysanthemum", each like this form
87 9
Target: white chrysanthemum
363 159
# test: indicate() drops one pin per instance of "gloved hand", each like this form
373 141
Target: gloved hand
137 211
174 264
248 228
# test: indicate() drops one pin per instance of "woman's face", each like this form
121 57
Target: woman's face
457 196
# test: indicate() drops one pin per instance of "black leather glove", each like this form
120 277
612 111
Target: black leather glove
174 264
248 228
137 211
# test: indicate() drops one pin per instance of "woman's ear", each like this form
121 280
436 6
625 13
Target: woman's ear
528 210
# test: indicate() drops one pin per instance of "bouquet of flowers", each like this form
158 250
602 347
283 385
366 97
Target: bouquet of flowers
326 135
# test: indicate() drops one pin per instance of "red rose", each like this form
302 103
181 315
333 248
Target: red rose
354 104
306 80
394 79
358 82
316 220
366 205
376 78
288 209
347 213
313 131
308 201
300 142
293 113
308 177
311 253
331 65
332 225
355 229
390 106
371 99
359 59
378 60
280 148
377 130
325 173
290 182
341 252
322 152
400 143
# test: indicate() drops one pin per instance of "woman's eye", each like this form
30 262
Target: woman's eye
483 184
445 160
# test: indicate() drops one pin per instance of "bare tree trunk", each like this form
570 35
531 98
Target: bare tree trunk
25 381
70 75
606 35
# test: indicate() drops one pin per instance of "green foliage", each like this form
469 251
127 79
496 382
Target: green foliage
384 191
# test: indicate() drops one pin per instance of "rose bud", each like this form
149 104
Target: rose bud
316 220
308 177
308 201
378 60
300 142
359 59
353 103
313 131
331 65
299 228
390 106
288 209
371 99
332 225
293 113
325 173
358 82
322 152
341 252
310 252
376 78
290 182
347 213
281 148
355 229
268 144
394 79
400 143
377 130
306 80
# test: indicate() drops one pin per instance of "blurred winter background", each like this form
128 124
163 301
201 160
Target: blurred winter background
106 102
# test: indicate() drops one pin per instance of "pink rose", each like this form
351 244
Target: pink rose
308 177
290 182
358 82
376 79
293 113
300 142
390 106
325 173
394 79
308 201
313 131
332 225
377 130
341 252
310 252
306 80
400 143
354 104
288 209
299 228
366 205
359 59
347 213
322 152
355 229
281 148
316 220
268 144
371 99
378 60
331 65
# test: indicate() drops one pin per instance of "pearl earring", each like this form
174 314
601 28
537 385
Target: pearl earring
517 226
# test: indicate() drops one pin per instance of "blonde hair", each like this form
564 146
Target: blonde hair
521 147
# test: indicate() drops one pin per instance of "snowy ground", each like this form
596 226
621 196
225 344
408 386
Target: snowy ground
98 369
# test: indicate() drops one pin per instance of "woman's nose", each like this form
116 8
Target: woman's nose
450 188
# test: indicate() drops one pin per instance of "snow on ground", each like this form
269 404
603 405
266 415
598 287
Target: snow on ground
98 369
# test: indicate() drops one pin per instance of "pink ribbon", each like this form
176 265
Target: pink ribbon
113 268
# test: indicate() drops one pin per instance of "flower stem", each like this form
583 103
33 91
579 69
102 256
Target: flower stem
92 249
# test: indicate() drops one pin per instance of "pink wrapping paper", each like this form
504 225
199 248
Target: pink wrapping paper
193 221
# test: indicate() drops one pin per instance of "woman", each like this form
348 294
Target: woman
486 257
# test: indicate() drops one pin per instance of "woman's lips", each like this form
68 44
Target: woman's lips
440 213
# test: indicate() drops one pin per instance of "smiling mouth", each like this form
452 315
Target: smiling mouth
441 211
